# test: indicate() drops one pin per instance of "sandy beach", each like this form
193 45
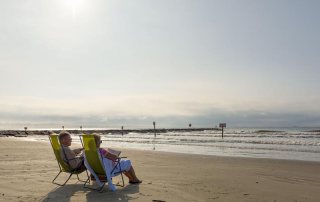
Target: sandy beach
27 169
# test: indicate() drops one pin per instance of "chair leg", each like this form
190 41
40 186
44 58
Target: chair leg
53 181
99 189
121 175
82 180
56 177
88 176
118 163
86 182
122 180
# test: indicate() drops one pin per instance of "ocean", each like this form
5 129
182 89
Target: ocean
276 143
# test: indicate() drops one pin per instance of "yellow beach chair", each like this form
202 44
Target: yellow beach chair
94 163
63 166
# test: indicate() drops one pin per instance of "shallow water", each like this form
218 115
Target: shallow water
276 143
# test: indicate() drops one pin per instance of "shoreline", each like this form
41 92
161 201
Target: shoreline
223 155
29 167
78 144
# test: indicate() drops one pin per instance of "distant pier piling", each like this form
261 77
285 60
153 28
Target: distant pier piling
122 130
25 130
154 129
222 126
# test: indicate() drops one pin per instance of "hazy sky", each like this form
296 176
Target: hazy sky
102 63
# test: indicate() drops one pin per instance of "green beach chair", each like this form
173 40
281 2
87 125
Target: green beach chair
93 160
63 166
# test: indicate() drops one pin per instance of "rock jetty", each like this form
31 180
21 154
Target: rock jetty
22 133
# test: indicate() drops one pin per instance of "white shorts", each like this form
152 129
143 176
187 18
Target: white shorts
125 165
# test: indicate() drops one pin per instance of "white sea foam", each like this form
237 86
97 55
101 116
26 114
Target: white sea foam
272 143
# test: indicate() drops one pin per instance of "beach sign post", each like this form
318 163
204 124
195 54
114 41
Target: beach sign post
222 126
62 127
190 125
81 128
154 128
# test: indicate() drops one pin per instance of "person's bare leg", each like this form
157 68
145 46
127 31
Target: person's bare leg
128 176
132 176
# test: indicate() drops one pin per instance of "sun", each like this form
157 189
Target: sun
74 5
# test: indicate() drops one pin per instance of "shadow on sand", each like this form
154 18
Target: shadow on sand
69 191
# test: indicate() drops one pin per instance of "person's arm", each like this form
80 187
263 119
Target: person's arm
77 151
70 158
110 156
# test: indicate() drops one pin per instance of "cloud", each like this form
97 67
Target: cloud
111 105
139 112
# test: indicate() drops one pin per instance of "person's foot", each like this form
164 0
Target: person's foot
135 182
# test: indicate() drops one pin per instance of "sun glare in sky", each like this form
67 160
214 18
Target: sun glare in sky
74 5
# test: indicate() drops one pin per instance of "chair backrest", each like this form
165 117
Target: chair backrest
92 154
57 149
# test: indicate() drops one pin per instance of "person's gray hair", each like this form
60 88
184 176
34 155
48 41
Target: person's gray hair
63 134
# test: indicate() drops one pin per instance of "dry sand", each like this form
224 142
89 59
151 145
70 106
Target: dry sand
27 169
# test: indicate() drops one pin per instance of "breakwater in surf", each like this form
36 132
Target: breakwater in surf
23 133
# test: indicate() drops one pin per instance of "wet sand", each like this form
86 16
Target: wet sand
27 169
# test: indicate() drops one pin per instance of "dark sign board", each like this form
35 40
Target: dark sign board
222 125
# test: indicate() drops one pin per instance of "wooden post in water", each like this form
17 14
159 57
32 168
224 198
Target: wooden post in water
222 132
122 130
154 128
25 130
222 125
155 135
